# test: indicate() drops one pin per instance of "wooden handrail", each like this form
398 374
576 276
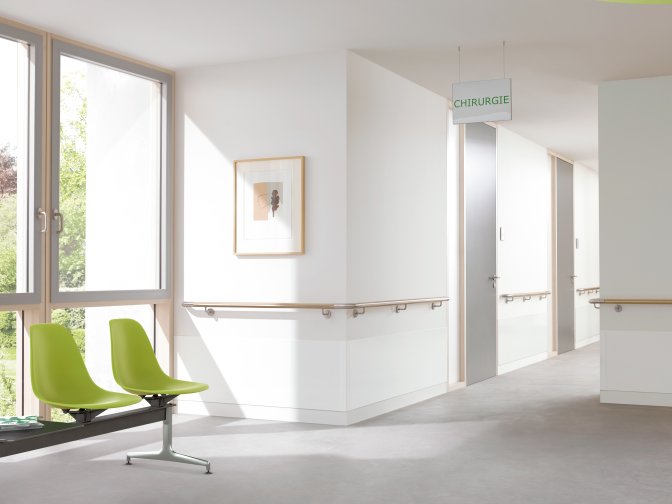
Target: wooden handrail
631 301
587 290
525 296
357 308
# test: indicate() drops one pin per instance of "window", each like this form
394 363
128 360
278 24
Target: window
20 161
110 154
108 228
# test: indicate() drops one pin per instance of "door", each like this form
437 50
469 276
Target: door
565 255
480 198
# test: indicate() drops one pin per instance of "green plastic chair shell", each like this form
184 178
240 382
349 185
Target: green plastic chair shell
59 376
135 366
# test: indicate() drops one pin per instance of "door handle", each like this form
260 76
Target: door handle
572 277
58 217
494 281
41 214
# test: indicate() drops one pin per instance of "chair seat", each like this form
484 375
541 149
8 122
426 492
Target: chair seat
59 376
135 367
95 400
167 386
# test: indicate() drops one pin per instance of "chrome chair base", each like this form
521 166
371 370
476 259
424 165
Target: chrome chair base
167 453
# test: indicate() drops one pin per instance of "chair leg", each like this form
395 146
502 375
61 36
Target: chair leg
167 453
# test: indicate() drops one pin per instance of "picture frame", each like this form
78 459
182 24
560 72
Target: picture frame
269 206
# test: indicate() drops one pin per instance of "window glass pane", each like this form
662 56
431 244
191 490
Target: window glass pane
109 179
8 364
14 121
91 330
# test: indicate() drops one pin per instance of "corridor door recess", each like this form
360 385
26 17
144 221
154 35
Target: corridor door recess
565 254
480 210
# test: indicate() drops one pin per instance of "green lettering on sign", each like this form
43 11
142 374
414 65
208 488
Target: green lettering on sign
480 102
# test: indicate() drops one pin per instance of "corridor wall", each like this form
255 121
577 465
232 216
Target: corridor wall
523 250
375 147
635 242
586 253
396 234
285 366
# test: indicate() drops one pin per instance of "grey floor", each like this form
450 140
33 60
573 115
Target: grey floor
538 435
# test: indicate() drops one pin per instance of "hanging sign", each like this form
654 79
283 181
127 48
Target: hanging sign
480 101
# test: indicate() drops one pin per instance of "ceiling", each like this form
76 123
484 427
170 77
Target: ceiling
557 51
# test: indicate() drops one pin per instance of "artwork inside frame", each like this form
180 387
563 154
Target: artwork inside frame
269 206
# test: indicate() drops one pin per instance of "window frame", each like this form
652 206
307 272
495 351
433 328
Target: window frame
36 78
164 292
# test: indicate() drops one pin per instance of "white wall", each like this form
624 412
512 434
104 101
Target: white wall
635 242
587 254
281 365
397 233
298 365
523 252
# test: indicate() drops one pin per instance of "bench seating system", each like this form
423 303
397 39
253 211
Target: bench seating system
61 380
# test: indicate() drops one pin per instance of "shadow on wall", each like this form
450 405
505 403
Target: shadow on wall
204 368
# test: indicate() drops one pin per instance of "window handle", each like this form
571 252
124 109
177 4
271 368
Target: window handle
41 214
58 217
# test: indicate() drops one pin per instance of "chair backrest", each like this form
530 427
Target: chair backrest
133 361
57 370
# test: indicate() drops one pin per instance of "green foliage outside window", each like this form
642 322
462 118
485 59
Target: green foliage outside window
72 241
7 280
72 198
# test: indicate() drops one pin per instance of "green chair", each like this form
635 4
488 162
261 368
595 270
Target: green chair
137 371
60 378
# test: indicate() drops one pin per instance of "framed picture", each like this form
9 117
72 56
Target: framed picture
269 195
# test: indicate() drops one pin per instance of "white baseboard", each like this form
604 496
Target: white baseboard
395 403
521 363
323 417
456 386
635 398
586 342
